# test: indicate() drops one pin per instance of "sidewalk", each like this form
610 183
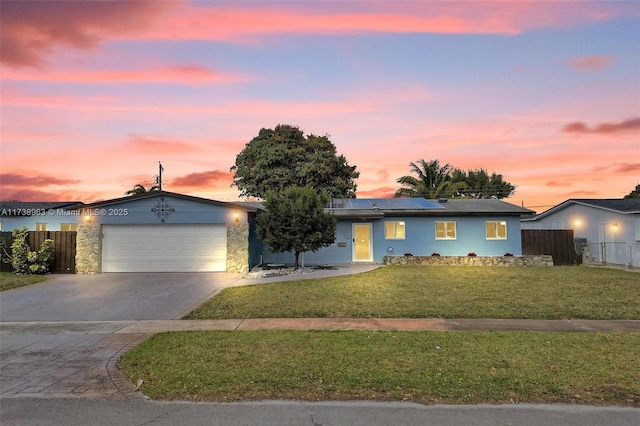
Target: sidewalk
333 324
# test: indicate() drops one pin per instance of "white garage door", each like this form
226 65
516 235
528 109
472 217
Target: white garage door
164 248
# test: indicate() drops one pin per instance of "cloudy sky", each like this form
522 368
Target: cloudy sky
94 94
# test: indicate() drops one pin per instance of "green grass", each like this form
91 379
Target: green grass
426 367
444 292
9 280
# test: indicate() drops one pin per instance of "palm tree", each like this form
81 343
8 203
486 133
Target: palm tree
432 181
140 189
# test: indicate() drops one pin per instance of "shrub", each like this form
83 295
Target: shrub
25 261
472 254
435 254
508 254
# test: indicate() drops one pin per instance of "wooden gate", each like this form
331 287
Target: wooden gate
558 243
64 261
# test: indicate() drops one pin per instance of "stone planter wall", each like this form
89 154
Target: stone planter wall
89 249
238 248
538 260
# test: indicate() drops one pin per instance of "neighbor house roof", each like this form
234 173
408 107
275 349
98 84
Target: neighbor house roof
168 194
31 208
618 205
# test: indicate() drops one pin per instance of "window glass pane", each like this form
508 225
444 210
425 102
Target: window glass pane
451 230
440 230
502 230
491 229
388 230
400 230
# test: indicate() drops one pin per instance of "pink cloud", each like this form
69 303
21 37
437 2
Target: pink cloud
632 124
158 145
381 192
591 63
31 29
209 179
620 168
15 179
184 74
557 183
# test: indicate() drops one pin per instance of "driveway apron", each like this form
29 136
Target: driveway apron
46 363
111 297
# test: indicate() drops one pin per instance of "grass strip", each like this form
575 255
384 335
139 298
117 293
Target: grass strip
444 292
426 367
9 280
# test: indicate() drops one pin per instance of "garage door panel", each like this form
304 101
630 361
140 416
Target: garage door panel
164 248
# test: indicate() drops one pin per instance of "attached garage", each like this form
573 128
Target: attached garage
164 248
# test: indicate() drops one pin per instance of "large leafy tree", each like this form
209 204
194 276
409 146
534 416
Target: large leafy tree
635 193
282 157
294 220
479 184
432 180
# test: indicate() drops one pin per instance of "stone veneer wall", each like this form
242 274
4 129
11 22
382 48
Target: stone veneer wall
537 260
238 248
89 249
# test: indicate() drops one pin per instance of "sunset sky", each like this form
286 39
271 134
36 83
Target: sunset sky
94 94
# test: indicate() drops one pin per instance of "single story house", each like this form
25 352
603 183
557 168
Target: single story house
607 229
163 231
369 229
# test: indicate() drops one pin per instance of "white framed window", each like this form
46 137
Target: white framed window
445 230
638 229
496 230
394 230
68 226
41 226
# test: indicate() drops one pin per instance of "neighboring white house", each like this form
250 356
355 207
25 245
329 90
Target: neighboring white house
610 228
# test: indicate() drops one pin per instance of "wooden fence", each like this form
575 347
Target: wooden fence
64 261
558 243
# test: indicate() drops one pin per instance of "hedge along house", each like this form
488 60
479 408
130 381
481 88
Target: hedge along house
162 231
369 229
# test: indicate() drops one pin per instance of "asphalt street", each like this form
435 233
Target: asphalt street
84 412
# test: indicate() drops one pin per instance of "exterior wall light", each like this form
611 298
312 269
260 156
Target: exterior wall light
614 225
236 217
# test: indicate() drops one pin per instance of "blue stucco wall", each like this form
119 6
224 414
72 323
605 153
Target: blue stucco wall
420 240
138 211
184 211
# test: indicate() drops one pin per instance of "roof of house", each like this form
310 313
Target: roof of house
618 205
373 208
169 194
32 208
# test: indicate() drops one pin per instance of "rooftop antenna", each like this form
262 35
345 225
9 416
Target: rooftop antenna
160 170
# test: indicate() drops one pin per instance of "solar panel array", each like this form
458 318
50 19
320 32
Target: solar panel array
385 204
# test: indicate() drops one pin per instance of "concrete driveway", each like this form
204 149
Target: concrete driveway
112 297
71 361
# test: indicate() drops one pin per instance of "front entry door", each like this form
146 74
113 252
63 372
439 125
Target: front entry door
362 242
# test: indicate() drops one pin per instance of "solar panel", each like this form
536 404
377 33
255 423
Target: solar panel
386 204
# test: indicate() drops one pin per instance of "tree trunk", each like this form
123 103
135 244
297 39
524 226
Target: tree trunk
295 264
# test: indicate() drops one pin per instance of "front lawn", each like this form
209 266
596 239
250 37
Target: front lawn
446 292
427 367
9 280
